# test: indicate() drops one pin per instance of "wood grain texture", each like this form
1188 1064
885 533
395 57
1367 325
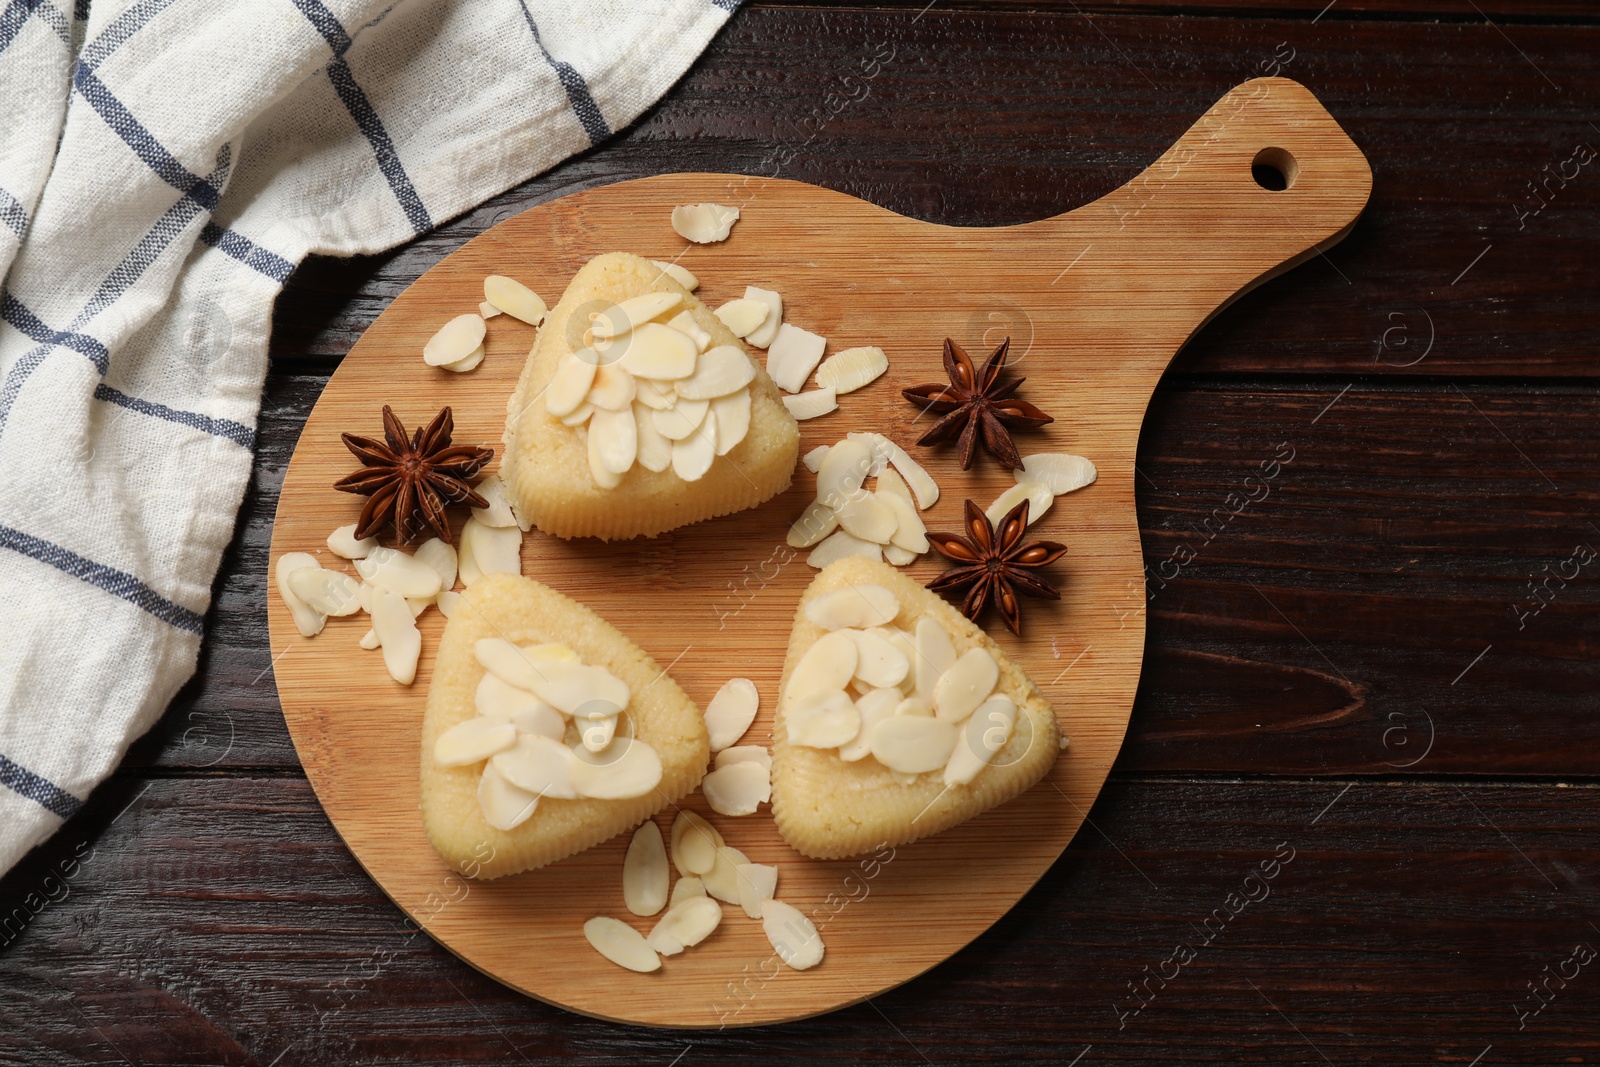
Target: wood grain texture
1113 290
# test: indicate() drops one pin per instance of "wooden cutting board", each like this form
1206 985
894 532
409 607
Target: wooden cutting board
1096 301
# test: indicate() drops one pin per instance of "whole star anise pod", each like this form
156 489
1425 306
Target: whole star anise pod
405 479
977 405
995 564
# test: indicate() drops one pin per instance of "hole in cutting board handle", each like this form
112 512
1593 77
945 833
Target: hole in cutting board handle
1274 169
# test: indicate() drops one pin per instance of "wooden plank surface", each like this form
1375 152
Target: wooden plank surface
225 923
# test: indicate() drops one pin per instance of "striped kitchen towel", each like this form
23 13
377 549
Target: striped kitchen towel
164 165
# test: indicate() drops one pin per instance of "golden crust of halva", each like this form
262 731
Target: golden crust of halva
546 463
523 611
828 808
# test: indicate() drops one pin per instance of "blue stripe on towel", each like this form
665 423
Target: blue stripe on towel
583 105
12 213
236 432
119 584
13 18
233 243
141 140
37 788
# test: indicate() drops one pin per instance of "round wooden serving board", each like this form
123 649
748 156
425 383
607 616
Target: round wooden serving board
1096 302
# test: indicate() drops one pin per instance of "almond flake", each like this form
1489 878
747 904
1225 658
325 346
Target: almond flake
793 355
540 765
500 699
817 521
910 533
644 871
616 437
495 549
541 720
447 602
982 735
912 744
878 662
498 494
685 925
682 275
842 545
572 688
307 619
488 310
504 806
1058 471
621 944
743 754
455 340
936 653
467 362
342 542
632 313
578 415
655 451
922 485
694 844
659 352
852 369
514 298
813 459
822 720
680 421
473 741
684 888
632 769
867 517
891 484
684 322
466 567
791 934
613 388
811 405
843 472
732 414
691 458
369 640
704 223
859 606
657 396
743 316
874 705
757 884
967 683
571 382
897 556
731 711
397 631
763 335
441 556
324 591
603 476
826 666
397 572
737 789
720 371
722 880
1037 494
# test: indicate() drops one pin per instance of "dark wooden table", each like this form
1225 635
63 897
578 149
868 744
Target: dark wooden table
1379 682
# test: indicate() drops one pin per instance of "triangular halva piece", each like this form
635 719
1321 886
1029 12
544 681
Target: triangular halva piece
897 717
639 411
546 731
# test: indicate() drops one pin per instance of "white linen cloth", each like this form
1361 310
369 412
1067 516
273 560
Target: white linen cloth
164 164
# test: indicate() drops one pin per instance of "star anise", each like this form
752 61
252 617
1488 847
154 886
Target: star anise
995 564
977 405
407 479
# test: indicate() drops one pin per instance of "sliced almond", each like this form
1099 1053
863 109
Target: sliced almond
659 352
654 450
762 336
616 436
307 619
878 662
912 744
685 925
684 322
758 882
813 459
680 421
841 545
851 369
369 640
720 371
467 362
473 741
488 310
860 606
657 396
737 789
324 591
539 764
504 806
732 414
722 880
645 871
578 415
793 355
455 340
613 388
743 754
575 688
1037 494
541 720
629 315
498 494
812 404
500 699
822 720
817 521
682 275
921 483
874 705
571 382
442 557
631 769
731 711
910 533
691 458
967 683
684 888
603 476
867 517
936 653
704 223
897 556
342 542
914 705
621 944
793 936
984 733
744 315
1057 471
694 844
397 631
891 484
466 567
826 666
397 572
514 298
843 472
447 602
495 549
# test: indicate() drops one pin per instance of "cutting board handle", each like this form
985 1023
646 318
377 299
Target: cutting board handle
1197 229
